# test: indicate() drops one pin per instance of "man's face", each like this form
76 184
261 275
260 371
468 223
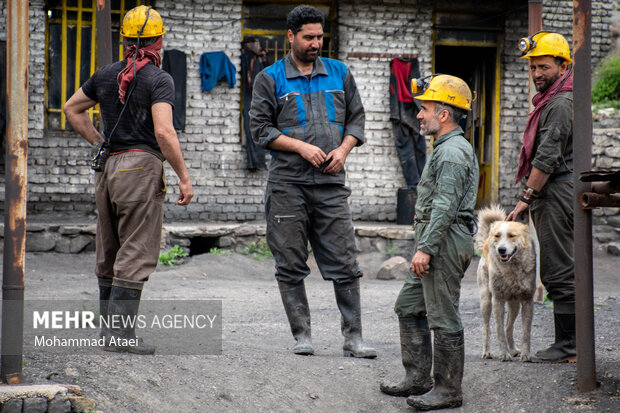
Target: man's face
307 43
545 71
429 122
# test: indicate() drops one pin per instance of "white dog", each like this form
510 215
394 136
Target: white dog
506 274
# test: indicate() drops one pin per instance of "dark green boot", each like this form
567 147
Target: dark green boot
123 305
564 349
348 300
448 363
415 346
105 287
298 312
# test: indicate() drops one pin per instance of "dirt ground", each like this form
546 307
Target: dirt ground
257 371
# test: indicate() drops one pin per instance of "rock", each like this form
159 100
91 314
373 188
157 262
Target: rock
40 242
59 404
35 405
613 248
11 406
82 404
394 268
72 245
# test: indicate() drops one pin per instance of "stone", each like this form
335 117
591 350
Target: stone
40 242
394 268
12 406
82 404
35 405
59 404
613 248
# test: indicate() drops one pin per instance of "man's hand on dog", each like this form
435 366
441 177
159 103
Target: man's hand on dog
420 264
519 211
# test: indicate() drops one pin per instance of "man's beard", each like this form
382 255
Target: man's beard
305 57
547 84
431 128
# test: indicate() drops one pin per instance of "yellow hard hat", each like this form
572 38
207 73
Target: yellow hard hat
545 44
134 21
447 89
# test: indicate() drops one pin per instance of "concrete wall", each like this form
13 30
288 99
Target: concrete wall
60 180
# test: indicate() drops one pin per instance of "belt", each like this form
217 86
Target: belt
463 220
564 176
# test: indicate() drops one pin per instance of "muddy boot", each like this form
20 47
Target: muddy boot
105 287
564 349
124 304
415 346
298 312
448 362
348 300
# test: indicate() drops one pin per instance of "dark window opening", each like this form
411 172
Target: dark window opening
202 245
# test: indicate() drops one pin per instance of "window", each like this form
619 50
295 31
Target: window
71 44
266 21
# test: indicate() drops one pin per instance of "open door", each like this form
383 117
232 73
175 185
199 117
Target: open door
473 55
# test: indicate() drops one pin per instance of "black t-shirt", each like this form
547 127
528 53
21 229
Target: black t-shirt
135 128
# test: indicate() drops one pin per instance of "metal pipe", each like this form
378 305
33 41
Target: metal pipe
582 161
591 200
606 187
16 182
104 33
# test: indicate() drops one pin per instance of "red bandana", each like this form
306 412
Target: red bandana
146 54
539 100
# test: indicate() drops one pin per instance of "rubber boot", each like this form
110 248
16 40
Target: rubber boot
564 349
105 287
415 346
123 305
298 312
348 300
448 363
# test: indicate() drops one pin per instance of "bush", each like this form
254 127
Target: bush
607 85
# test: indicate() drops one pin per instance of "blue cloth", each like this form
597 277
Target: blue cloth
215 66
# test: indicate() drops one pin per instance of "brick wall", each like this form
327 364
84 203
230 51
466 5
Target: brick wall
60 180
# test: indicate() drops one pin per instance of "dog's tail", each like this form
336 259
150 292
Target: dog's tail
486 217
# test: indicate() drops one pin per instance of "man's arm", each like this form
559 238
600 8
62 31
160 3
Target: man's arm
76 111
309 152
171 149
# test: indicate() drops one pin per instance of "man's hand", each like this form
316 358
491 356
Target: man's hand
336 159
312 154
519 211
420 264
186 192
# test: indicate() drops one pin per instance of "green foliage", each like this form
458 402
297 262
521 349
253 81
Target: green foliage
607 85
218 251
391 249
171 257
258 250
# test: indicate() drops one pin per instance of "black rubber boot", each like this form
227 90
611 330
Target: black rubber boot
348 300
124 304
415 346
105 287
298 312
448 363
564 350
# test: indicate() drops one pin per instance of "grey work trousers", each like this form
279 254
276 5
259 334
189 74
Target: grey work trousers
437 295
552 214
130 194
320 214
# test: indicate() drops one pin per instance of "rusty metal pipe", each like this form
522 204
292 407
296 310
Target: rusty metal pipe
104 33
606 187
582 161
12 342
591 200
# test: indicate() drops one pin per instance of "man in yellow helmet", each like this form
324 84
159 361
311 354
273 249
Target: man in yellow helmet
444 247
545 172
135 98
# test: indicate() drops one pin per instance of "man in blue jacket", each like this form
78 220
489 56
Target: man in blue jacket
308 111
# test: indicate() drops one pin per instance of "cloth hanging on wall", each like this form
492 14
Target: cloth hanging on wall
253 60
176 64
215 66
410 144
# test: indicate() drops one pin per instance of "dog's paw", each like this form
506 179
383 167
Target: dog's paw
526 358
505 357
487 355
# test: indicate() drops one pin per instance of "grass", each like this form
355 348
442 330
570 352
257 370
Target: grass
259 250
218 251
172 257
607 85
391 250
